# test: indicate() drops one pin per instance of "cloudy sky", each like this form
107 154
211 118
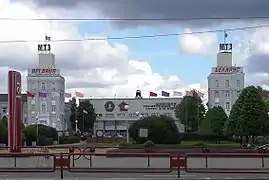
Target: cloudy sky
101 68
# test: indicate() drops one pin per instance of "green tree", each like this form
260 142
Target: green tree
161 130
73 116
86 116
191 112
266 101
4 130
248 116
46 134
214 122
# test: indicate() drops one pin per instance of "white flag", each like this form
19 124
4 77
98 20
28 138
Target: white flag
177 93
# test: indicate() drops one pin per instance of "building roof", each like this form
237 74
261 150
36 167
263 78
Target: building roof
4 97
140 99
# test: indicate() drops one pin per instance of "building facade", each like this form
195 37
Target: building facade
4 107
67 114
47 105
225 82
113 117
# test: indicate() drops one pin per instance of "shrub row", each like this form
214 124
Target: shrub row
199 137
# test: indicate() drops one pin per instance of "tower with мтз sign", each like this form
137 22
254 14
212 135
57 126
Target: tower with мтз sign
46 83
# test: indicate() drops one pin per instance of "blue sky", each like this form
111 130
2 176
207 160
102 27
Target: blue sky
162 53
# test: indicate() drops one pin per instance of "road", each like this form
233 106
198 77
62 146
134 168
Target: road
103 162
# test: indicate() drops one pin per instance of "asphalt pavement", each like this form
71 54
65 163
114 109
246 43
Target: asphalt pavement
251 168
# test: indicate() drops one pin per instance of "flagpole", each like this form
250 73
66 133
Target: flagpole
224 38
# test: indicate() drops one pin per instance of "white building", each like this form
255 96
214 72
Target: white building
225 81
48 86
112 117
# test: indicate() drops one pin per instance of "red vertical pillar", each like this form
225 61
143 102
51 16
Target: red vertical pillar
15 111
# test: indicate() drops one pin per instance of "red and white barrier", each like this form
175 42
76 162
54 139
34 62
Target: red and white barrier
227 163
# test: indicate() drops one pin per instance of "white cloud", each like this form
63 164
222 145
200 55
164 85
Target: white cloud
250 49
96 68
199 44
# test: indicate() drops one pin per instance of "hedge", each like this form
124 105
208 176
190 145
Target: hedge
69 140
199 137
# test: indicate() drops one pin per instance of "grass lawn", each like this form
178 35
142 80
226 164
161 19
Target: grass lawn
221 144
186 144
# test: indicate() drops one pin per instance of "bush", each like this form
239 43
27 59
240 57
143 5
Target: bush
69 140
198 137
46 134
161 130
149 144
261 141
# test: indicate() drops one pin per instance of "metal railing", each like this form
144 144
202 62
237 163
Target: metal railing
42 162
64 162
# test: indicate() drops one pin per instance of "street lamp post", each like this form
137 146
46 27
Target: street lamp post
76 126
126 107
37 130
83 120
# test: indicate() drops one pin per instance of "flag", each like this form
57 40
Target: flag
152 94
225 35
79 94
165 94
47 38
188 93
29 94
67 95
42 95
177 93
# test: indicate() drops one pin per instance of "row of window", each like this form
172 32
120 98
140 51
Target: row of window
4 109
44 86
44 108
227 94
227 83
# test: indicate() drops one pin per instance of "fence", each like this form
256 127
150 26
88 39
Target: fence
85 160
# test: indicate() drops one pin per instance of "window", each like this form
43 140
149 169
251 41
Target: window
227 83
217 83
4 109
43 86
217 94
227 94
43 107
216 104
238 83
33 118
228 106
32 106
53 108
53 86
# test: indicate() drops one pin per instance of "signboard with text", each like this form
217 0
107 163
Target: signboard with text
227 69
226 47
43 72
